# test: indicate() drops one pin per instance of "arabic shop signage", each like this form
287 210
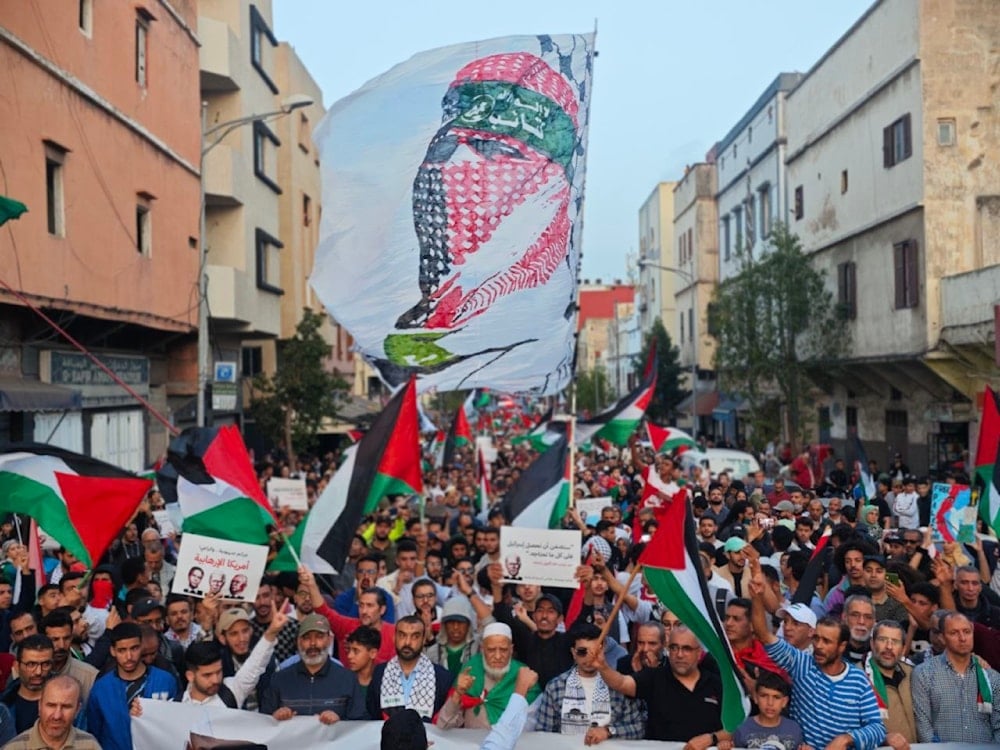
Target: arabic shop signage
78 371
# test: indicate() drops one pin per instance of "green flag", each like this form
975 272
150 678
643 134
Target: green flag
10 209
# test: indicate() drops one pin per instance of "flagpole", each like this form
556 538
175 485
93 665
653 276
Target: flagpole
613 617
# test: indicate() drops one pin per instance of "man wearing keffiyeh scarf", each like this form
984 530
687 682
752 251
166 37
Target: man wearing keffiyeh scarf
580 702
890 678
409 679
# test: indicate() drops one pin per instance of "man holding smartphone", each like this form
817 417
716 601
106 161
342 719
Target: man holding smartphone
886 608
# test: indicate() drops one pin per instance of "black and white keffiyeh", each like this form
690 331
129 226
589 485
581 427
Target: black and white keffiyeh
575 718
422 691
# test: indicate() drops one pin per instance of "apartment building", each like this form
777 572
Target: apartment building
894 195
99 137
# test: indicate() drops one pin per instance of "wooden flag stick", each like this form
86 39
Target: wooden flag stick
613 617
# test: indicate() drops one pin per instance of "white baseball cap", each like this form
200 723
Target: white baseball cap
800 613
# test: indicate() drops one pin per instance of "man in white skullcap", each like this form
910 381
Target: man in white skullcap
484 686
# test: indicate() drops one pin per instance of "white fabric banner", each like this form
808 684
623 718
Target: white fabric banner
166 726
451 226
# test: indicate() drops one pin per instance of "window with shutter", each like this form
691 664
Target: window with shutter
897 142
912 275
907 274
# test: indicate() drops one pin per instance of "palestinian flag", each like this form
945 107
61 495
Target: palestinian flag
385 462
540 498
313 529
864 490
669 439
216 485
482 399
672 571
814 571
989 503
355 435
79 501
459 436
483 492
618 422
545 435
986 456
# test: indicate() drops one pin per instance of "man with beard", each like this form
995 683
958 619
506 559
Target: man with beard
371 614
859 617
181 628
34 665
509 120
206 684
683 700
832 701
235 634
485 683
58 709
264 610
409 679
890 678
365 576
114 695
58 627
580 702
315 686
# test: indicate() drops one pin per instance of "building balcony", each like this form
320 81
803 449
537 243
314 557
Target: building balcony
967 306
219 57
226 176
237 305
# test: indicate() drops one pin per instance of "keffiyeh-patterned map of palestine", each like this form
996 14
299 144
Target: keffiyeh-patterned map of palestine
453 192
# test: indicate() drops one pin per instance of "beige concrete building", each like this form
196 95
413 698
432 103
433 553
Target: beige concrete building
894 194
100 139
263 195
655 290
696 257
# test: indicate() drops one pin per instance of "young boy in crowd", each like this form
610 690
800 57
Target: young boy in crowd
768 728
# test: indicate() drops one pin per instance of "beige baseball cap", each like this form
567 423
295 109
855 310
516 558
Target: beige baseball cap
229 618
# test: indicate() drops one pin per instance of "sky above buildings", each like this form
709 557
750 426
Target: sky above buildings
670 80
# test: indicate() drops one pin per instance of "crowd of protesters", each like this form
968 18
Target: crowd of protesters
897 642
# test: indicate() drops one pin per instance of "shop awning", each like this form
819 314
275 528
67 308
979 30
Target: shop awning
32 395
727 405
707 401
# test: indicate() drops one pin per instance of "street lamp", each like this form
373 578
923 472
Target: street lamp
691 280
217 133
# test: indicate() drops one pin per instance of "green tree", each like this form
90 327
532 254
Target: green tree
593 390
290 406
774 322
663 408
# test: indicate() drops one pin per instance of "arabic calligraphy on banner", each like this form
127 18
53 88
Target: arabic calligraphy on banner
539 556
206 565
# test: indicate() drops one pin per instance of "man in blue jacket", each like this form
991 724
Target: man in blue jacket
113 695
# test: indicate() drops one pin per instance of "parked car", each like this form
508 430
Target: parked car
736 463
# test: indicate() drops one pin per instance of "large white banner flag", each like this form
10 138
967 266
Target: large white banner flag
165 725
452 201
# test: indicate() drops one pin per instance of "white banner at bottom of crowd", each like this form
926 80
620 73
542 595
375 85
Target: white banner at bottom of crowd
167 726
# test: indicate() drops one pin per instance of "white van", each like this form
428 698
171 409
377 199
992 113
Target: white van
736 463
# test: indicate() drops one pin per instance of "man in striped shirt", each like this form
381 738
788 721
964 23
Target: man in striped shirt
832 701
